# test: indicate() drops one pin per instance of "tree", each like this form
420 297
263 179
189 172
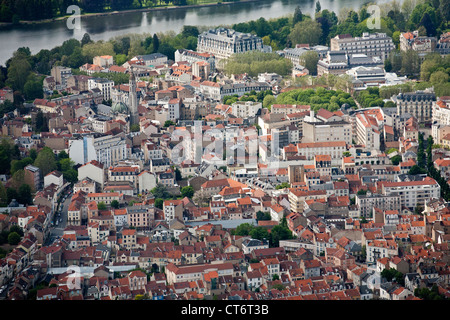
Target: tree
298 16
318 7
417 170
268 101
263 216
168 123
310 59
32 88
101 206
13 238
439 77
159 203
135 127
24 195
155 43
115 204
18 71
279 232
3 196
306 31
160 191
396 159
45 161
17 229
187 191
428 24
86 39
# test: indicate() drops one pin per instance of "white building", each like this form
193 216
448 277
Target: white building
245 109
54 177
222 43
104 85
93 170
413 193
371 44
106 149
367 132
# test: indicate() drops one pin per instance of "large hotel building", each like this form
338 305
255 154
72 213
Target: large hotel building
370 44
222 43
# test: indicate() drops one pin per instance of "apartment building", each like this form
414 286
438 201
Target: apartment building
421 44
103 61
106 197
367 202
297 198
245 109
193 56
370 44
440 118
106 149
173 209
367 132
104 85
381 248
124 173
413 193
140 217
333 148
326 126
61 74
418 104
186 273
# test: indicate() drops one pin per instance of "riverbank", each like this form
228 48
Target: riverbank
110 13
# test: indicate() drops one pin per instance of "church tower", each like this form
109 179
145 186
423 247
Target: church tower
132 100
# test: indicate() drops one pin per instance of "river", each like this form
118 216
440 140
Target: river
51 34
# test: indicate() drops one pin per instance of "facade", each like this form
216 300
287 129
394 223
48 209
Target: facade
193 57
32 176
245 109
413 193
104 85
367 132
419 104
327 132
421 44
106 149
222 43
367 202
334 148
370 44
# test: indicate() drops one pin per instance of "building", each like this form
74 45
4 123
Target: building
93 170
418 104
370 44
334 148
32 176
326 127
367 132
61 74
222 43
245 109
103 61
104 85
413 193
368 201
421 44
106 149
54 177
193 57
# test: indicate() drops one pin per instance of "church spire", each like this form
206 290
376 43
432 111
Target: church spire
132 99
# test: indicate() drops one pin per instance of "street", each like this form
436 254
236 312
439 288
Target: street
60 219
